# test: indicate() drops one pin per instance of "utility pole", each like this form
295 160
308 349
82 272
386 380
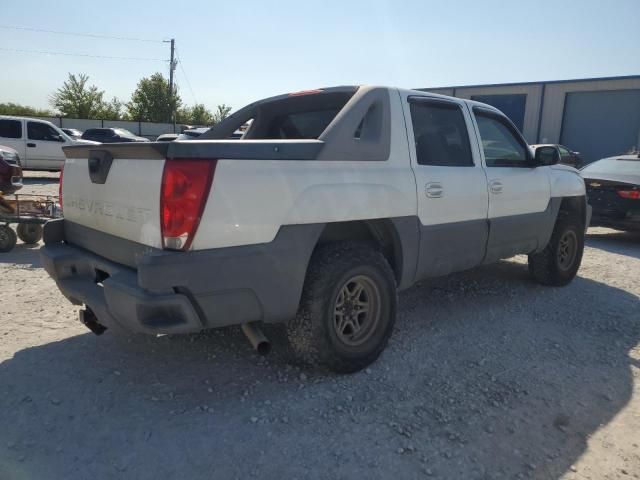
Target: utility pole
172 67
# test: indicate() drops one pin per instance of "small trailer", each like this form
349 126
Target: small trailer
29 213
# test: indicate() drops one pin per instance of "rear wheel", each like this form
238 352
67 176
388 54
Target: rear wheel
559 262
8 238
29 233
347 309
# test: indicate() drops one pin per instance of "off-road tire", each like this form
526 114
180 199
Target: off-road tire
546 267
29 233
313 334
8 238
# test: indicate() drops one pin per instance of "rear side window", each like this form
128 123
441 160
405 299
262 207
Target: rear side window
501 145
11 128
440 133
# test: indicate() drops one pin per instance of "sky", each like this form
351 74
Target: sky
238 52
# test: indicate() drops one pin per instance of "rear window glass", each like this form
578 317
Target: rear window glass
94 132
11 128
124 133
292 117
618 166
305 125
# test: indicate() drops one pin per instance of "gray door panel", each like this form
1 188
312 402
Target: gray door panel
451 247
521 234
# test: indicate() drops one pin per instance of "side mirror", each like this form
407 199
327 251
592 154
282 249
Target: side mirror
546 156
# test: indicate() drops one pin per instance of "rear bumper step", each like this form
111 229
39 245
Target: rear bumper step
117 300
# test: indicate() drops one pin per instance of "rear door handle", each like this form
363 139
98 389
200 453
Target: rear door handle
31 145
434 190
495 186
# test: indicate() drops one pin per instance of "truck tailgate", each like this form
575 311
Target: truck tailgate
116 188
126 202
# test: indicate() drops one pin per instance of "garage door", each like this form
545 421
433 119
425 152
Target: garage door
601 124
511 105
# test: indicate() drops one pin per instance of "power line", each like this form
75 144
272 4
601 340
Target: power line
195 100
67 54
77 34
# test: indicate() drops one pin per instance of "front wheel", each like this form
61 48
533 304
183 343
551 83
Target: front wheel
559 262
348 308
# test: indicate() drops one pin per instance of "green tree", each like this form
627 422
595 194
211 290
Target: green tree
184 115
222 112
24 110
77 99
200 115
152 101
111 110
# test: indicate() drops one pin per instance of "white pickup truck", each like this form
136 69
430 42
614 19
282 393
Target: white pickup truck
38 142
332 201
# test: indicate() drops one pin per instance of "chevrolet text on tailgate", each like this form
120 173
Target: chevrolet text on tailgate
331 202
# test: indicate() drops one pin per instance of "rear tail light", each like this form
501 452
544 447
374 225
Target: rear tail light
630 194
183 195
60 186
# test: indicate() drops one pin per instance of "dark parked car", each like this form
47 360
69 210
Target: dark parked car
10 170
72 132
111 135
567 156
613 190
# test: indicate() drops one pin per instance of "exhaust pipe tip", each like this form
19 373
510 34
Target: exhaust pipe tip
256 337
263 348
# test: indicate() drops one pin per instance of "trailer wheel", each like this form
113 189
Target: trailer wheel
29 233
8 238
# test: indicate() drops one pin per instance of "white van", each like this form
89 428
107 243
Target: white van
38 142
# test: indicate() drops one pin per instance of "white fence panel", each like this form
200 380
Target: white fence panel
80 124
154 129
54 120
146 129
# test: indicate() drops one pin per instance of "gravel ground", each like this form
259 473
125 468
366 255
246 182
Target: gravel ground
488 375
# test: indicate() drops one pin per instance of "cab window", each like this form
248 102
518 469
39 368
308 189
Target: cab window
42 132
501 145
440 133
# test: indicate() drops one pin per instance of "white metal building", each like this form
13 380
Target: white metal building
597 117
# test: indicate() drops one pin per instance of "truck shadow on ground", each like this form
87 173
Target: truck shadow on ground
621 243
487 376
23 255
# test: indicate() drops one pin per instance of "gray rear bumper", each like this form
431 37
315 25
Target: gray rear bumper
178 292
117 299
